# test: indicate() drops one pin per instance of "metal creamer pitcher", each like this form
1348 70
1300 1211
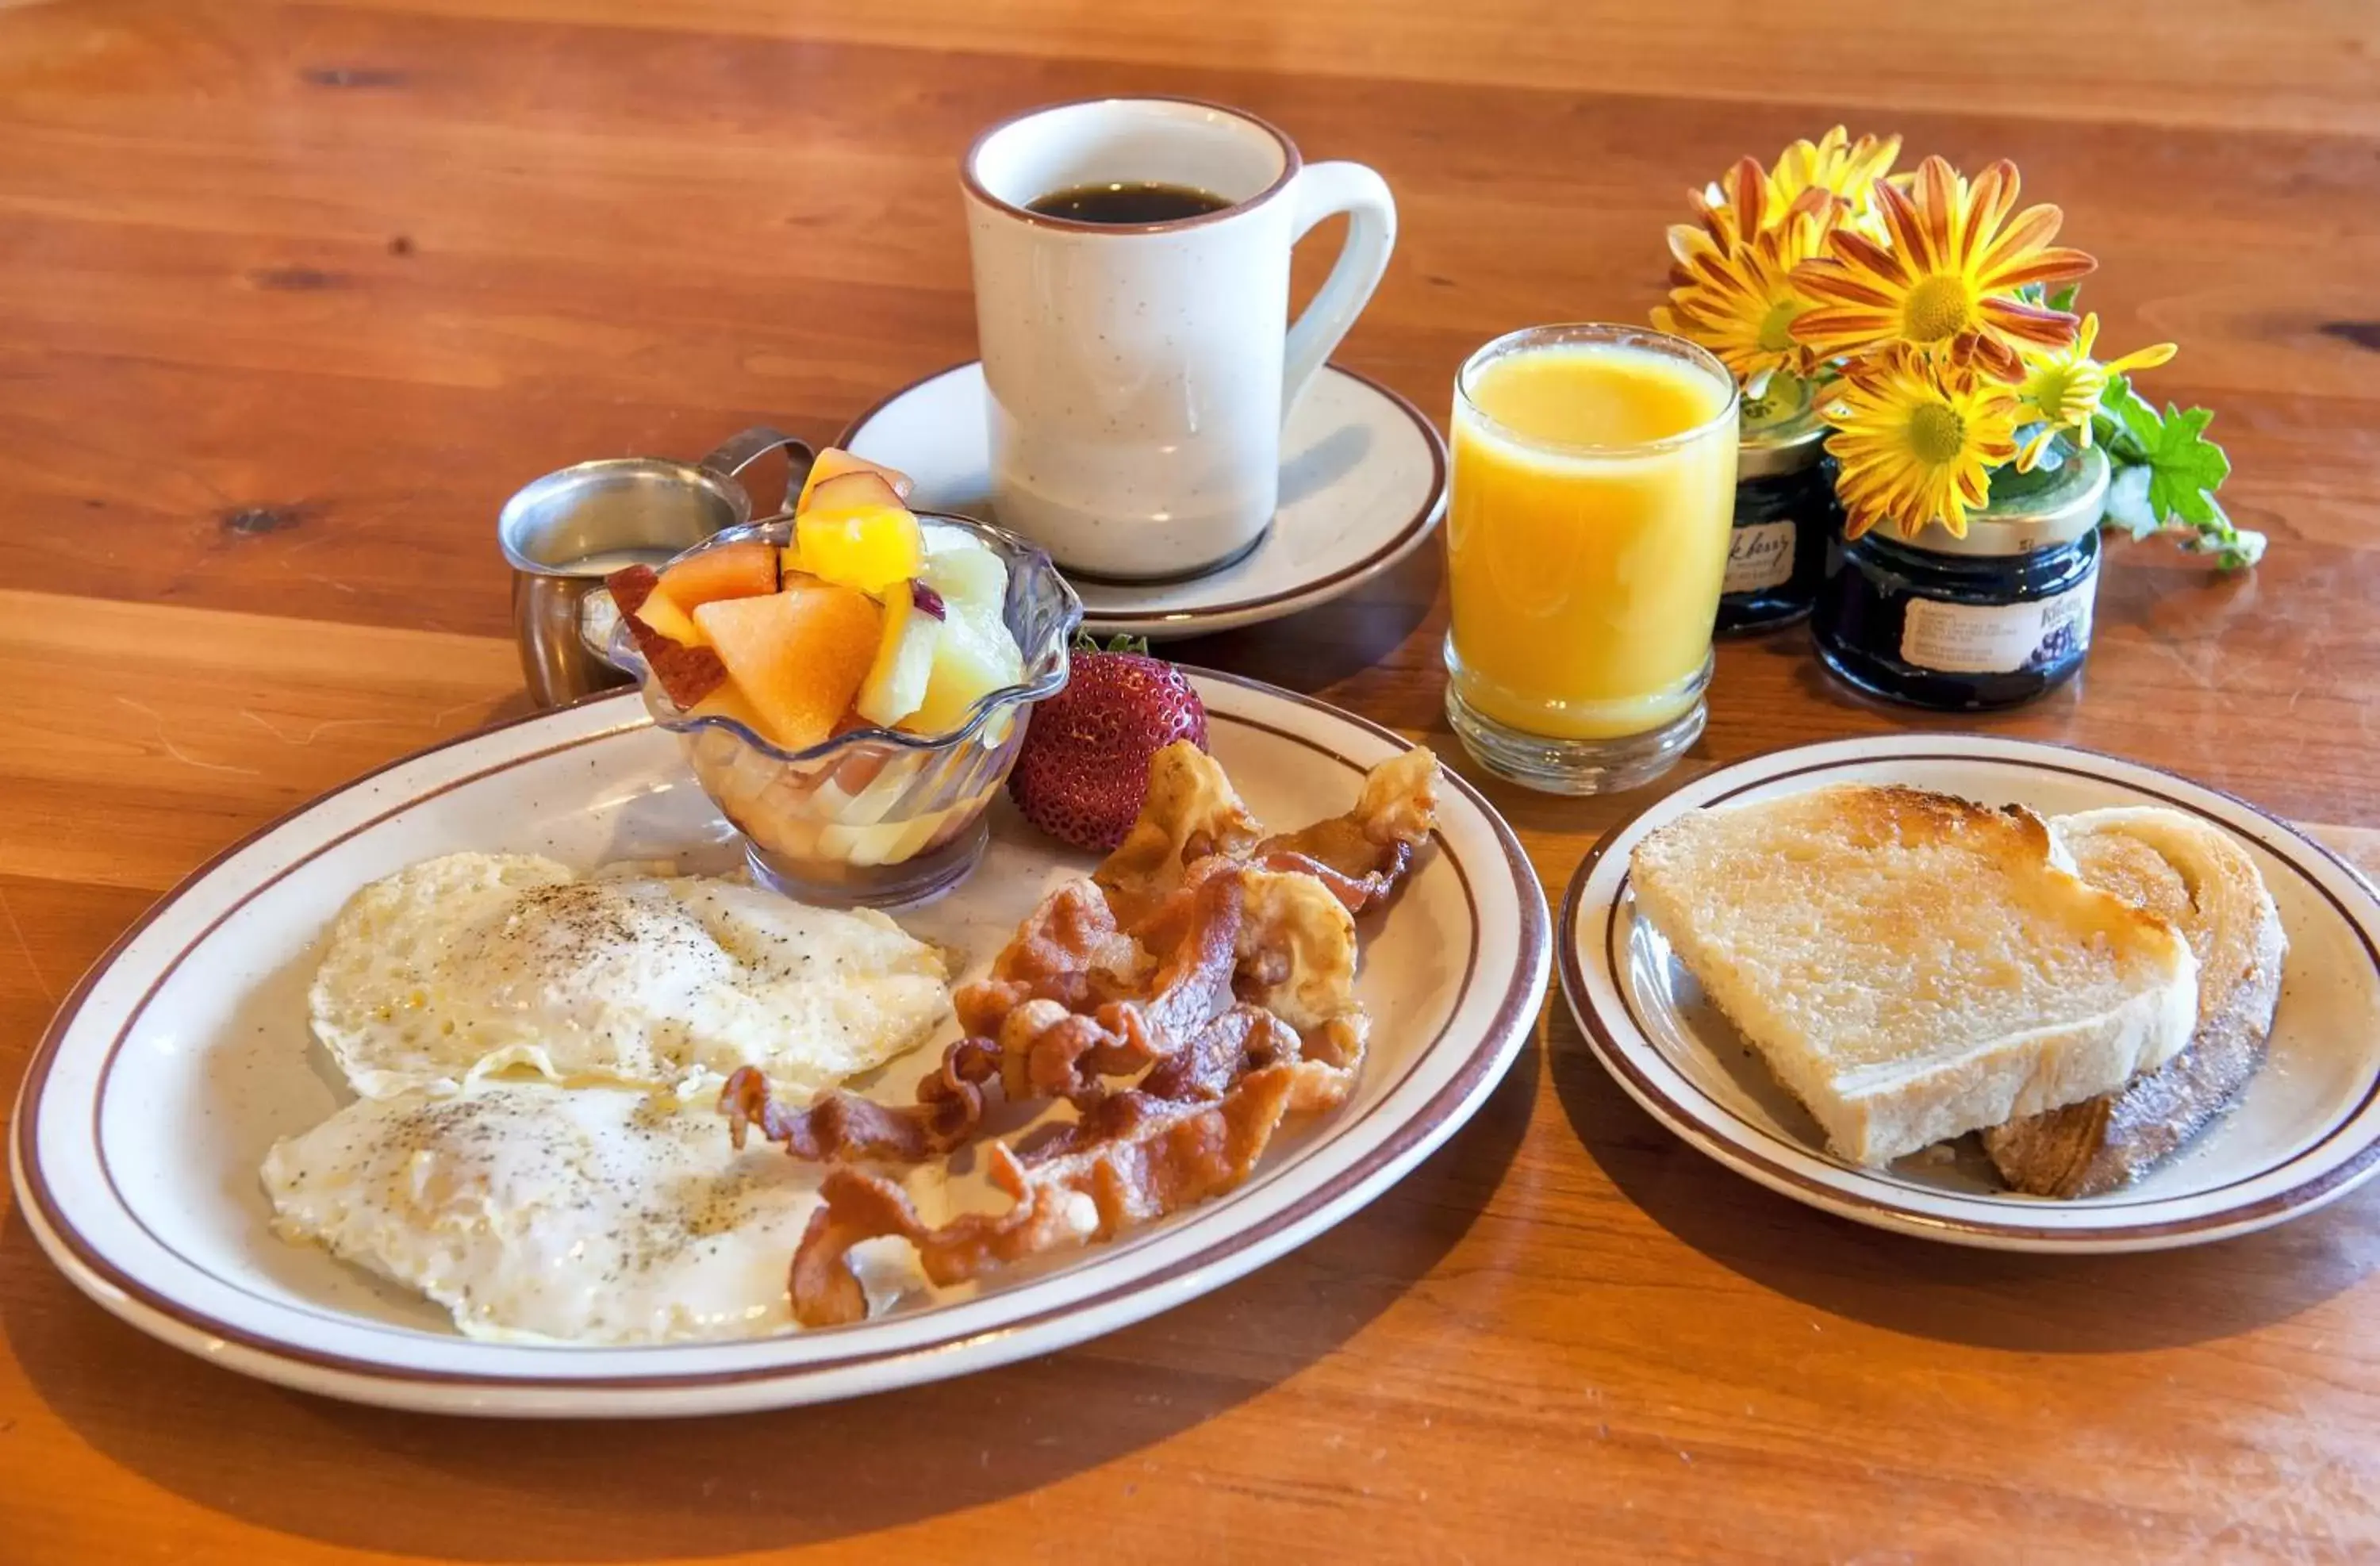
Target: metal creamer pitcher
564 534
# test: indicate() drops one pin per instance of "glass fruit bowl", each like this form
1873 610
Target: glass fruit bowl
872 816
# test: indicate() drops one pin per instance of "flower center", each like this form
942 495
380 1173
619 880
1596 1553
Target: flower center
1937 309
1936 434
1777 326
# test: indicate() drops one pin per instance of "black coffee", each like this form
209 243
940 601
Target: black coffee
1127 201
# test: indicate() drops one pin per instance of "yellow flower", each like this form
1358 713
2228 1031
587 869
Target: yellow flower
1847 169
1947 282
1735 296
1917 442
2062 387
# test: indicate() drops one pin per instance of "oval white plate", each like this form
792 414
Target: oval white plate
184 1053
2306 1130
1363 481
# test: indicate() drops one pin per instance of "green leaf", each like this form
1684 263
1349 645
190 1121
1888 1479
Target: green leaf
2064 298
2186 468
2165 475
2126 423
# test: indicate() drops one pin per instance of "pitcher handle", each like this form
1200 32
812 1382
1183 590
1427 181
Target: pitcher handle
740 451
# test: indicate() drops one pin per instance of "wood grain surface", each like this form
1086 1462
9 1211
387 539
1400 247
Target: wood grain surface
292 296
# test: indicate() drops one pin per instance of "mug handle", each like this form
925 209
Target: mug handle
741 450
1325 190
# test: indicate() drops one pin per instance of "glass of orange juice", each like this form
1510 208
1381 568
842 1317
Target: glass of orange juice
1586 541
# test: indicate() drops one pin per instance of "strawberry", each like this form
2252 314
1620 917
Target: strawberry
1084 768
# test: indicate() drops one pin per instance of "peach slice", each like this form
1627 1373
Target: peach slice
857 532
797 656
746 569
661 614
834 462
687 670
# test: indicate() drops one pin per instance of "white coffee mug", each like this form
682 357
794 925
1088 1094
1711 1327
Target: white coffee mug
1139 374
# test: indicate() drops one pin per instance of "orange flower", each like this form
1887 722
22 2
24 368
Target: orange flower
1735 294
1916 445
1947 283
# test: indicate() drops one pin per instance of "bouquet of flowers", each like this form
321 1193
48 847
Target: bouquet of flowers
1933 324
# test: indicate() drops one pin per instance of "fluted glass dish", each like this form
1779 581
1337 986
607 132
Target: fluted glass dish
873 817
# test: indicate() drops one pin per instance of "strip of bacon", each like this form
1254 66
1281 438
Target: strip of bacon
1149 1157
1364 855
845 1125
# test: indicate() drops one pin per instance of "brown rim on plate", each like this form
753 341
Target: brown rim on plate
1501 1037
1685 1122
1389 550
1291 162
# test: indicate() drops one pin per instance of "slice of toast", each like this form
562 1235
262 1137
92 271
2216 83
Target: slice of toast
2191 873
1913 966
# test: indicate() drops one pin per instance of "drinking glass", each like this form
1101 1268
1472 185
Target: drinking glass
1586 540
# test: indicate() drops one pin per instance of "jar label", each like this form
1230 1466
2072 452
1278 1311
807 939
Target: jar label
1974 638
1759 556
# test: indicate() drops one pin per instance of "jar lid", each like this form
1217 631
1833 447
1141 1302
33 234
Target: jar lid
1780 432
2058 512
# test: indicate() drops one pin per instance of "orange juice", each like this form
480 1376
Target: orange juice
1588 532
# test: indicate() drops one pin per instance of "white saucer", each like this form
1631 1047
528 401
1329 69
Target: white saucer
1363 481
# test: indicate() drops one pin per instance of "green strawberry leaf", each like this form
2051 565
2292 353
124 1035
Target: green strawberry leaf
1086 643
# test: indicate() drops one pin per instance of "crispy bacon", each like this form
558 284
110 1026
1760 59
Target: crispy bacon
845 1125
1193 994
1191 812
1150 1156
1364 855
1069 950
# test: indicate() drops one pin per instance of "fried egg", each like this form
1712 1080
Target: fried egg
462 968
588 1215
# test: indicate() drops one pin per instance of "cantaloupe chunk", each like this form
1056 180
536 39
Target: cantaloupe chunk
834 462
745 569
797 657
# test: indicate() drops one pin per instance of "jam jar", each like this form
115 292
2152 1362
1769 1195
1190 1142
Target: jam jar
1785 512
1993 619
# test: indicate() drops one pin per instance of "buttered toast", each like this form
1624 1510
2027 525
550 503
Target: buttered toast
1911 966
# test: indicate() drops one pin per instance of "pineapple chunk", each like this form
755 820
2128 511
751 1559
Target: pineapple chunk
966 572
797 657
834 462
856 532
973 655
896 681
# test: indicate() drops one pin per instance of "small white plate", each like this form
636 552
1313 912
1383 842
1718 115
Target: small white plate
184 1054
1363 481
2306 1130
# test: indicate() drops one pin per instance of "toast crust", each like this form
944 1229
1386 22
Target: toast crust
2182 869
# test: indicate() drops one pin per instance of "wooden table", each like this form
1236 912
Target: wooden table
291 298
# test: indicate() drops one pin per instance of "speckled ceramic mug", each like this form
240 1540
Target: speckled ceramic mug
1139 374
